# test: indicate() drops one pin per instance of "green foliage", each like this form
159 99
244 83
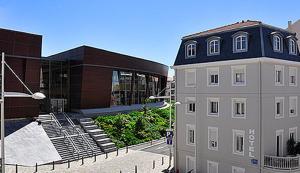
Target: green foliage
135 127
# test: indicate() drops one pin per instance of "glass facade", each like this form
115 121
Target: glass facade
133 88
54 83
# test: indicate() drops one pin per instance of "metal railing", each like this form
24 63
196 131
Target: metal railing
79 133
53 117
70 140
282 163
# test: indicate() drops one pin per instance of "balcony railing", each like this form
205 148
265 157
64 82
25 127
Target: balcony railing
282 163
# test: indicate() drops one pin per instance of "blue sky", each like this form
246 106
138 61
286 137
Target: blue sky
147 29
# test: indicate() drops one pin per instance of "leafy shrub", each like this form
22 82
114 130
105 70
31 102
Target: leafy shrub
135 127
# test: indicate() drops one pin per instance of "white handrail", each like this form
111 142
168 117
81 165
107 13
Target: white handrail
79 132
67 136
282 163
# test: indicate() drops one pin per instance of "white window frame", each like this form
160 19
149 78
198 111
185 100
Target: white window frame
239 169
216 129
216 164
295 98
215 43
187 159
233 76
239 100
293 71
234 134
191 45
279 68
280 100
189 72
190 100
281 133
293 130
292 47
209 100
235 43
212 71
190 127
275 41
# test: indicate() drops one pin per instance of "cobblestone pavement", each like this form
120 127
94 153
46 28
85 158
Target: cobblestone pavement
124 162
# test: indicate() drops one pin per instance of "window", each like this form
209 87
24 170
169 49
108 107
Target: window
240 42
190 164
214 47
293 133
238 75
190 50
212 167
213 107
238 142
238 107
277 43
292 47
293 103
293 76
190 78
279 75
213 76
190 134
279 107
213 138
238 169
191 105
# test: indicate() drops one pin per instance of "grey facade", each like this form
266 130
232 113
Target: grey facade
230 138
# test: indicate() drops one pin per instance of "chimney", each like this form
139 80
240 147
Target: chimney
289 25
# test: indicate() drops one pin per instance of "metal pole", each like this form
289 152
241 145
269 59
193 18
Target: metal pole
2 116
170 126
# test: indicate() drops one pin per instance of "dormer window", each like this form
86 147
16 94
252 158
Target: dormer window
292 47
190 49
277 42
213 46
240 42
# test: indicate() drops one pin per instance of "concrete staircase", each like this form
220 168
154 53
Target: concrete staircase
69 139
102 140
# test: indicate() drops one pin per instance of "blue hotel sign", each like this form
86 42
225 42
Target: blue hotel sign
254 161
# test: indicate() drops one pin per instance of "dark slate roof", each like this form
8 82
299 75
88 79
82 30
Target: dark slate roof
257 32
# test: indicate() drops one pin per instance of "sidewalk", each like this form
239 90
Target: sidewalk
124 162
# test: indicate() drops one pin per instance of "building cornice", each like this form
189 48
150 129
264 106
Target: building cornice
237 62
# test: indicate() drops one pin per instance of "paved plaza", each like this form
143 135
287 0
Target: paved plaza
124 162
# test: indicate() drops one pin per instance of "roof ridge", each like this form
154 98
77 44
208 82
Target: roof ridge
225 26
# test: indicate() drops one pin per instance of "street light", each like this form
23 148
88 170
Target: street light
37 96
170 117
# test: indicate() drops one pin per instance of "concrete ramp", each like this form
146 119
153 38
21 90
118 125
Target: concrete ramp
30 145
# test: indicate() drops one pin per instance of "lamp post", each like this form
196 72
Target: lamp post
170 118
37 96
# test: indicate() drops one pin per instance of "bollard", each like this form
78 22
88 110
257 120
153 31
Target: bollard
126 149
53 165
106 155
153 164
117 151
162 160
95 158
82 161
135 169
120 171
36 169
68 163
16 168
151 142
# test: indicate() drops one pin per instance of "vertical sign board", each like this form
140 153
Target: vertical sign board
169 136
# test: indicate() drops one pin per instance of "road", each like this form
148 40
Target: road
158 147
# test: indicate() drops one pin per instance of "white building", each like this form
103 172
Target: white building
238 88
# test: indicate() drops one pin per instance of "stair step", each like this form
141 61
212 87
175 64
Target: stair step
107 145
90 127
107 150
104 140
99 136
86 120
